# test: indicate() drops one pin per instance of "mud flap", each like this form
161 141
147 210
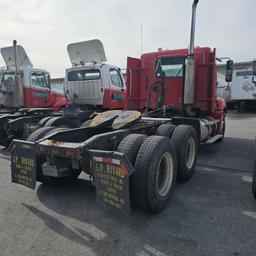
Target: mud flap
111 172
23 163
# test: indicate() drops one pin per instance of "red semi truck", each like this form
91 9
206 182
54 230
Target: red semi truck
23 86
25 94
134 155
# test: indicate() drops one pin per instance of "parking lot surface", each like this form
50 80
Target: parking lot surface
212 214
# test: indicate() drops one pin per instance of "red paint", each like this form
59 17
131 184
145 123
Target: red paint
107 160
123 168
70 153
114 99
221 108
43 98
140 70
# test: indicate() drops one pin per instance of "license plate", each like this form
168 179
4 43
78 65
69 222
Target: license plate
49 170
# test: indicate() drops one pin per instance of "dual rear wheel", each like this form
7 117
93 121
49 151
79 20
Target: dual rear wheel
158 161
185 140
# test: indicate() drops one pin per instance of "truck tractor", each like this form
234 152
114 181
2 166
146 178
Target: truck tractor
132 157
91 83
25 93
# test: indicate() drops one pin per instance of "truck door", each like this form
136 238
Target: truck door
39 90
6 89
117 89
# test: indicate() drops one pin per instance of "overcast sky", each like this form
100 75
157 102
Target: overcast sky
45 27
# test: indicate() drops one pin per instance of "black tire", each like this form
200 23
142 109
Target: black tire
165 130
39 133
60 121
185 141
254 173
254 183
3 139
44 120
130 146
57 129
154 153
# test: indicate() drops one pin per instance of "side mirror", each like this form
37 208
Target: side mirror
254 71
48 80
158 71
229 71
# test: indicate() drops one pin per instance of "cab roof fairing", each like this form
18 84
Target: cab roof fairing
87 52
22 57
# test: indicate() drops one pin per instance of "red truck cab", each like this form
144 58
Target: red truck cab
164 73
23 86
168 67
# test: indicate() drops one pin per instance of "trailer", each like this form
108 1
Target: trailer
131 156
241 92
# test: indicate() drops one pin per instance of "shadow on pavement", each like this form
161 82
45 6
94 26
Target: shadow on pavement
233 153
77 203
5 154
201 214
58 226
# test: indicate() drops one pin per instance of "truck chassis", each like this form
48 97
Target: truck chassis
126 156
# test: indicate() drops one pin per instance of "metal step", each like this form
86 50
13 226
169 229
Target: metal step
214 139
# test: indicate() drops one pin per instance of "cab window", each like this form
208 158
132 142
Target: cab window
39 80
84 75
8 79
116 78
170 67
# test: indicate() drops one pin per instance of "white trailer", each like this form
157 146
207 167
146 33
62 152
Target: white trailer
243 90
242 86
240 93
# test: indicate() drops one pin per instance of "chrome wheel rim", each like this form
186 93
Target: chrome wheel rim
190 152
164 174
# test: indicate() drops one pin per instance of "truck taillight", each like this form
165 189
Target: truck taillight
70 153
41 150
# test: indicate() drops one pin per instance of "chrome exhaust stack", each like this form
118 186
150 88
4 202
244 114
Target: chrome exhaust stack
18 99
189 88
193 27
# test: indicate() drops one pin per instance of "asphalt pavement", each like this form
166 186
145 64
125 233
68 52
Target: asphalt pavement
212 214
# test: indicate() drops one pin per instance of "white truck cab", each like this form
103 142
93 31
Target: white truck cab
90 81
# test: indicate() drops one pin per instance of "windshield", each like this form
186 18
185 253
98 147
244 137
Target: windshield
170 67
39 79
8 78
85 74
